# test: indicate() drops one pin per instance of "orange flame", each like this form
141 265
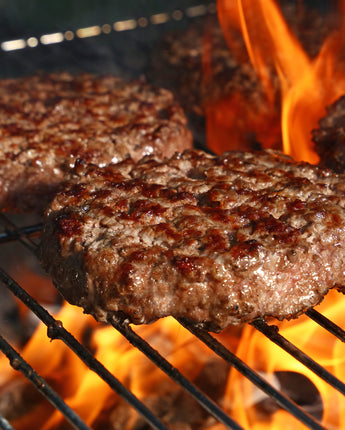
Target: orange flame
307 85
264 356
91 398
85 392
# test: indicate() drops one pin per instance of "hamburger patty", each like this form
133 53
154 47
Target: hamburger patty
203 71
218 240
329 137
48 121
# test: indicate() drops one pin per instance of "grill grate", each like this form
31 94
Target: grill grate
174 374
57 331
27 235
246 371
272 333
18 363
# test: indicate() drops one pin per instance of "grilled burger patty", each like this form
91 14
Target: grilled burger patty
48 121
218 240
329 137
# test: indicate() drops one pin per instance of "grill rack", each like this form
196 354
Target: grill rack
25 236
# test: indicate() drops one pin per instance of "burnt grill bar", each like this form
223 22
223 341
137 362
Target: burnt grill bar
57 331
174 374
18 363
24 236
27 231
326 324
4 424
271 332
246 371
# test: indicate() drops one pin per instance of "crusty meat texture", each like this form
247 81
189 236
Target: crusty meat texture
48 121
219 240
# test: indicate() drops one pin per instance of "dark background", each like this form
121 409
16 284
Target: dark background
124 53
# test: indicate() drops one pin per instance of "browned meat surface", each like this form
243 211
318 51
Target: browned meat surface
219 240
329 137
201 69
48 121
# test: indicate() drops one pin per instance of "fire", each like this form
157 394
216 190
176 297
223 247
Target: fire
306 85
86 393
98 405
264 356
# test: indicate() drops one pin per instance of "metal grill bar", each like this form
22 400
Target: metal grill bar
12 229
57 331
239 365
12 235
271 332
174 374
4 424
207 403
127 24
326 324
18 363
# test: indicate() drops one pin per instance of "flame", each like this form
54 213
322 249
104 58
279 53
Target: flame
93 400
265 357
53 361
84 391
306 85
